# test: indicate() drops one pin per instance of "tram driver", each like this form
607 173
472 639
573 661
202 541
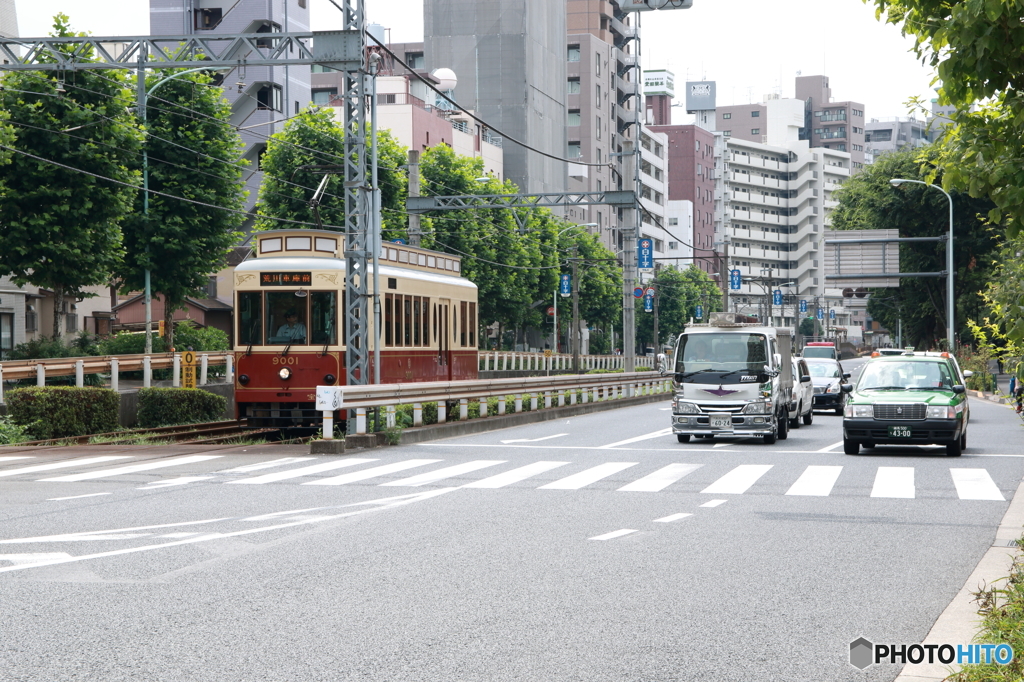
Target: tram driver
292 330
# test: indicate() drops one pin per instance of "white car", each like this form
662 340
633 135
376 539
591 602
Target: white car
801 402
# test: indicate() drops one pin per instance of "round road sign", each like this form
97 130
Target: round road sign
638 292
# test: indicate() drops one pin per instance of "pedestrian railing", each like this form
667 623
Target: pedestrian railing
550 391
13 370
509 361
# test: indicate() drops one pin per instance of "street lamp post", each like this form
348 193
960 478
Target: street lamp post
895 182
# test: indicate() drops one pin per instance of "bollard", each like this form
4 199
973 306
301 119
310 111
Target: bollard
79 373
229 371
561 398
518 405
547 399
463 409
533 402
40 375
483 407
442 412
572 396
417 414
501 405
114 374
389 416
360 420
147 372
328 433
176 379
586 394
204 364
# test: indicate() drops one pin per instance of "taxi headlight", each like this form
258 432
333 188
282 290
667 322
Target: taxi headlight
860 411
941 412
680 407
760 407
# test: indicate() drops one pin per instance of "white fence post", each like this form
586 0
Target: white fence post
561 398
389 416
519 402
328 432
360 420
442 412
572 395
463 409
547 399
483 407
40 375
417 414
586 394
79 373
114 374
176 378
204 365
501 405
533 402
147 372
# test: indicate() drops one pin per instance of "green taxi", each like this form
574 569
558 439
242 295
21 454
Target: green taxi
909 399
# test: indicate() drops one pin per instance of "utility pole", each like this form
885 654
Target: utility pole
414 191
657 343
724 275
631 219
575 313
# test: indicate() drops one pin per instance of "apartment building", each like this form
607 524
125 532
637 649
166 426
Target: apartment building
892 134
772 205
654 193
261 97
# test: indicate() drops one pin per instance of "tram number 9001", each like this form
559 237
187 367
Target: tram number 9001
278 360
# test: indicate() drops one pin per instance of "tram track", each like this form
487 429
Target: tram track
209 433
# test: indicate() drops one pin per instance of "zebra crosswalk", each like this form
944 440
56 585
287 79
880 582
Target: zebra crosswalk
717 478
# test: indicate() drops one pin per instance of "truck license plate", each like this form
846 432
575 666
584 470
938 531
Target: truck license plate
721 421
899 432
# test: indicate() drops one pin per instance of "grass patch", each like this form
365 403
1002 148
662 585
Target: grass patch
130 439
1001 607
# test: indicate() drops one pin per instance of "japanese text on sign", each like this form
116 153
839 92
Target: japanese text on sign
285 279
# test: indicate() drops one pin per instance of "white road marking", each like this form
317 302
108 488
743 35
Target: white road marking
830 448
265 465
178 535
637 439
29 559
614 534
447 472
373 472
722 445
62 465
91 535
975 484
76 537
737 481
751 447
670 519
534 440
515 475
816 481
664 409
660 479
76 497
174 481
894 482
713 503
587 476
13 457
302 471
134 468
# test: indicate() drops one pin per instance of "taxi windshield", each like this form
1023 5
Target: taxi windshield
726 352
905 375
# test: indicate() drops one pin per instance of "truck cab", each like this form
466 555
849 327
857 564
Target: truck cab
732 377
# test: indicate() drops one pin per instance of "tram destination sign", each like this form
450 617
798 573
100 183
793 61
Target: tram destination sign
285 279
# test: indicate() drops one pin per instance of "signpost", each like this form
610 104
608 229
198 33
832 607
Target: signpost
832 314
700 312
188 369
645 254
821 313
565 285
734 280
777 297
638 292
803 305
649 301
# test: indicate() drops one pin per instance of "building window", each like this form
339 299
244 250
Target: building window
599 127
755 131
323 97
574 86
673 246
574 150
269 97
415 60
597 89
6 334
673 221
597 64
574 117
755 114
573 54
320 68
726 133
724 116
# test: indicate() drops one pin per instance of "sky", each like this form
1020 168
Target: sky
750 51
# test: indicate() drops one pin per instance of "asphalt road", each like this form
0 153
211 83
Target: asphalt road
589 548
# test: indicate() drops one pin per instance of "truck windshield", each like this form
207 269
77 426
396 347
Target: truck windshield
721 352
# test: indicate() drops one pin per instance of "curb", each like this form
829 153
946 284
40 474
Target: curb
958 623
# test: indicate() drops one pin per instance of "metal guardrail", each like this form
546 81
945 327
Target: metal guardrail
509 361
558 389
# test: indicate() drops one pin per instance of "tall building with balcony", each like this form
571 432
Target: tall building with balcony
774 205
892 134
261 97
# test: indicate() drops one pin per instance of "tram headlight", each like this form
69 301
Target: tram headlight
285 373
243 379
330 379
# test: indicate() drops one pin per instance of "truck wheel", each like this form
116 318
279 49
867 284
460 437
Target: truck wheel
794 423
783 426
683 437
769 439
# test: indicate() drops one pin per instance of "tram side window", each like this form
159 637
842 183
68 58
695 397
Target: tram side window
286 318
250 323
472 325
416 326
324 318
407 326
463 315
389 319
425 304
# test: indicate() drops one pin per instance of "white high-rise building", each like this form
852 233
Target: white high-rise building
8 19
772 204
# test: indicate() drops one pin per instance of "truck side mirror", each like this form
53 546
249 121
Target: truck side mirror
804 378
662 363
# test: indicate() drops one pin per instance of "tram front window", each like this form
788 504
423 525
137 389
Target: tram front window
250 322
286 318
323 321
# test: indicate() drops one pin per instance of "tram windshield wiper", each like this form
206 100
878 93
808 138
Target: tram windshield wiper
291 340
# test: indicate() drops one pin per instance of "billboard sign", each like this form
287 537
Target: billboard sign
700 96
645 254
659 82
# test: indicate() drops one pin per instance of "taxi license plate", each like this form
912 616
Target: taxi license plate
899 432
721 421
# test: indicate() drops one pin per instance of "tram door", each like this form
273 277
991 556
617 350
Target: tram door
444 338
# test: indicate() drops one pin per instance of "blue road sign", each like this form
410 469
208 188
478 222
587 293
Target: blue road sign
803 305
397 241
638 292
649 302
565 285
700 312
734 279
821 313
777 297
645 254
831 314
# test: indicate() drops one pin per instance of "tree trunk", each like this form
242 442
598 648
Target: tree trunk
168 325
58 313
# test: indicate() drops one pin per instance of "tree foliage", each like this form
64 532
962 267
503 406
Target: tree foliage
868 201
193 153
679 293
61 227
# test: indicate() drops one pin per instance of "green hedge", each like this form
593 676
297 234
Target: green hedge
169 406
61 411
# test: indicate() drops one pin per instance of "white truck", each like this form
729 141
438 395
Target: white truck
731 377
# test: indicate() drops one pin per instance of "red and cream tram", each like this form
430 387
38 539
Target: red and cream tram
289 322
